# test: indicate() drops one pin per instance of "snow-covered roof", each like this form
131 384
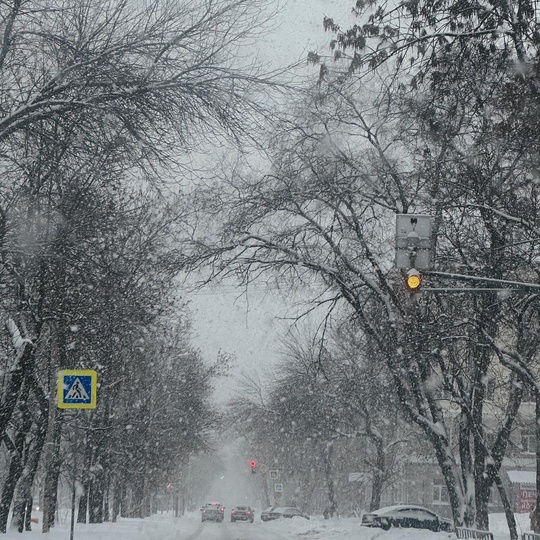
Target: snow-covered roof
397 508
522 477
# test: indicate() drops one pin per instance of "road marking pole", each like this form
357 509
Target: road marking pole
77 389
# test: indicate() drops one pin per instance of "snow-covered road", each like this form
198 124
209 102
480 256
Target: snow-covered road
166 527
236 531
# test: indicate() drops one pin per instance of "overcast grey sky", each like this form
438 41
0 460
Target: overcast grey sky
246 325
225 318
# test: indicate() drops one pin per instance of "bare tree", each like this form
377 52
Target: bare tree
325 213
154 74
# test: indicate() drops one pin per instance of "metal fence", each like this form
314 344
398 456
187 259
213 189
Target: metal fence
462 532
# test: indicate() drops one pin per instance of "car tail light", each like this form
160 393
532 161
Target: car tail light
222 509
248 513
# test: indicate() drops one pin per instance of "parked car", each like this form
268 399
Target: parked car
266 513
406 515
282 512
242 513
212 511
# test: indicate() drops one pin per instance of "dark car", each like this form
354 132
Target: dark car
406 515
242 513
282 512
212 511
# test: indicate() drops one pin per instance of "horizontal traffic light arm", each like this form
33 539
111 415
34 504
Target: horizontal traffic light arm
514 286
470 290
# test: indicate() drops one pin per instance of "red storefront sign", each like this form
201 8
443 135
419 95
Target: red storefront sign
526 498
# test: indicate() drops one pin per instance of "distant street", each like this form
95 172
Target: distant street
235 531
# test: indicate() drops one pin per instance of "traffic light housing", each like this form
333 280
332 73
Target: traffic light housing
252 464
413 280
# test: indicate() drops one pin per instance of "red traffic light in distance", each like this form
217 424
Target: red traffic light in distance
413 280
252 463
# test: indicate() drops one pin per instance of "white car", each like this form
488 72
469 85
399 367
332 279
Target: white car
282 512
406 515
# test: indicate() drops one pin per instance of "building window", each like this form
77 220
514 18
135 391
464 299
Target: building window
528 442
440 492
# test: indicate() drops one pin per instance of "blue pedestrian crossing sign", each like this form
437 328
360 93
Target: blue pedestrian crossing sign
77 389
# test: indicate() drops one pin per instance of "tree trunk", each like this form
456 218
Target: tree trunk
378 478
147 500
106 496
18 457
19 513
83 503
126 502
329 477
266 491
52 470
95 507
379 471
85 480
117 500
11 395
22 508
28 514
14 473
510 518
52 442
137 500
537 410
481 482
482 498
460 498
99 441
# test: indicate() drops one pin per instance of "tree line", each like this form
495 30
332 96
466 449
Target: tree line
426 108
100 102
423 108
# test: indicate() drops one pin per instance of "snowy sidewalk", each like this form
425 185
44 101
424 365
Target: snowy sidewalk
499 528
189 527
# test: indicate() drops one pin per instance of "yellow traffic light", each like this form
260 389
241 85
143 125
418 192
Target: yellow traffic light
413 280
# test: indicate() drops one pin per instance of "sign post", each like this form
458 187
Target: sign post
77 389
